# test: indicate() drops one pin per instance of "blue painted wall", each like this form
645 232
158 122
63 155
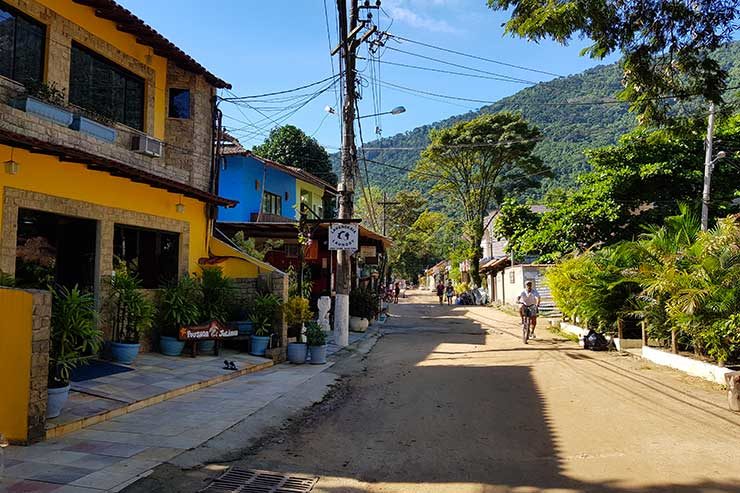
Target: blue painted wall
237 181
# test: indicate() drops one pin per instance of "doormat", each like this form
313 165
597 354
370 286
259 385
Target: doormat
237 480
97 369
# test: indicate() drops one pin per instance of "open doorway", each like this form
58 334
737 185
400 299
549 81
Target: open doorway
52 248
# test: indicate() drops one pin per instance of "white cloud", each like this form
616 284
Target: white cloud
420 21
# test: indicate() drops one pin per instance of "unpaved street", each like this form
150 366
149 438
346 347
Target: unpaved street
452 401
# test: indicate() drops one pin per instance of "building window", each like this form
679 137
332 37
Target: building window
22 41
152 254
512 277
291 250
179 103
271 204
102 87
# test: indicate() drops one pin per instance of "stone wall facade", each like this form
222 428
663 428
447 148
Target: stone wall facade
189 141
40 344
106 217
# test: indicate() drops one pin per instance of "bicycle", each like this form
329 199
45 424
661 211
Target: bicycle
526 323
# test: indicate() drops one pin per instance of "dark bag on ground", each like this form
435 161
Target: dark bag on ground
595 341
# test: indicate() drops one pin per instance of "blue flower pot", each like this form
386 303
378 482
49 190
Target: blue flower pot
297 352
171 346
124 353
30 104
56 400
244 327
259 345
318 354
91 127
206 346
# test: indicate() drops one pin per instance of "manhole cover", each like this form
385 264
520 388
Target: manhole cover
254 481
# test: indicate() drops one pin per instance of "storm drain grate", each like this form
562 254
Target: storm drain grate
237 480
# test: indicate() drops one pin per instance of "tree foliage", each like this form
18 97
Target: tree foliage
638 182
291 146
666 46
473 165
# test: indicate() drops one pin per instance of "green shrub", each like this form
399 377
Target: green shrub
217 295
129 311
74 336
315 336
179 305
265 308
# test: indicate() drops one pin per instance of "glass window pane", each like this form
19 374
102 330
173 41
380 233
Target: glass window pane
103 88
29 52
7 39
179 103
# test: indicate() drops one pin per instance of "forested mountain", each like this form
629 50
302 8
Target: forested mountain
561 108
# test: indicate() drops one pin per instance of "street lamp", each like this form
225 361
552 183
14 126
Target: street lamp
395 111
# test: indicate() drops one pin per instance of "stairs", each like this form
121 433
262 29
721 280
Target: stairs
548 308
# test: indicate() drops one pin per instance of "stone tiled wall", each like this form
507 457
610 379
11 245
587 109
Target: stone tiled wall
188 140
40 339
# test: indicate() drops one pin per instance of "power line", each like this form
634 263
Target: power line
474 56
239 98
507 77
439 70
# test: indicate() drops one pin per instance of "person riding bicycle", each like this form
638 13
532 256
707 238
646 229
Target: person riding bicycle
530 299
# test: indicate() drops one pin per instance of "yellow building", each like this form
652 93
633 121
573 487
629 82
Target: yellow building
106 151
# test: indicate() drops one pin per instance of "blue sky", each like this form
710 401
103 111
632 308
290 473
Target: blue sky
264 46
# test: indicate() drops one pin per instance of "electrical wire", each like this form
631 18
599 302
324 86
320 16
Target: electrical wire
460 53
239 98
507 78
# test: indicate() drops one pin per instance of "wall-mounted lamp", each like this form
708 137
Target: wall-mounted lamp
11 165
180 207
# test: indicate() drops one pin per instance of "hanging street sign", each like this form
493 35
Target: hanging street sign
343 236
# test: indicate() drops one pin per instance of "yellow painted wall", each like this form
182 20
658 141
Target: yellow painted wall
85 17
317 194
16 308
45 174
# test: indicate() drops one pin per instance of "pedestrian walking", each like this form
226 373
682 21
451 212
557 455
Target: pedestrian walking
440 291
450 291
397 291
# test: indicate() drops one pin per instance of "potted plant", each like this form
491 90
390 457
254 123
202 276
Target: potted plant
316 339
217 299
130 314
180 304
74 338
360 309
46 101
240 320
297 313
265 308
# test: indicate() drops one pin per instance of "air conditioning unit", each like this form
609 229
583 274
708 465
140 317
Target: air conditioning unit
143 144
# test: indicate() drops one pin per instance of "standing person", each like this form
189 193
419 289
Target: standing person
450 291
529 298
397 291
440 291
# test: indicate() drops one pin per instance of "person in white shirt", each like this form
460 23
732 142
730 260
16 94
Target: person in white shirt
529 297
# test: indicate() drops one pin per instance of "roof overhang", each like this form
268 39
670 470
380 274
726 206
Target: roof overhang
145 34
110 166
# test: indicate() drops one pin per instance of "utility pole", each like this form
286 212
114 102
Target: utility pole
347 52
708 166
384 203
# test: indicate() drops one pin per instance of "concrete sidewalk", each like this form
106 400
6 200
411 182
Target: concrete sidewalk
114 454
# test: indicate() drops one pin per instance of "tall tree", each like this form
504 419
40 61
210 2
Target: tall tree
666 45
290 145
475 164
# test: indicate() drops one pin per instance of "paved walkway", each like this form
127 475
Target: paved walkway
111 455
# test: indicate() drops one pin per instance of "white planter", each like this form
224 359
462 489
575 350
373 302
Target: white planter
357 324
694 367
623 344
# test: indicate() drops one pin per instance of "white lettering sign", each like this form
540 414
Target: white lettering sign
343 237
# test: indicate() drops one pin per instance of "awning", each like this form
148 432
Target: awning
494 265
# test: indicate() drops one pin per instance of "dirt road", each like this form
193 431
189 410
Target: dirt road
452 401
